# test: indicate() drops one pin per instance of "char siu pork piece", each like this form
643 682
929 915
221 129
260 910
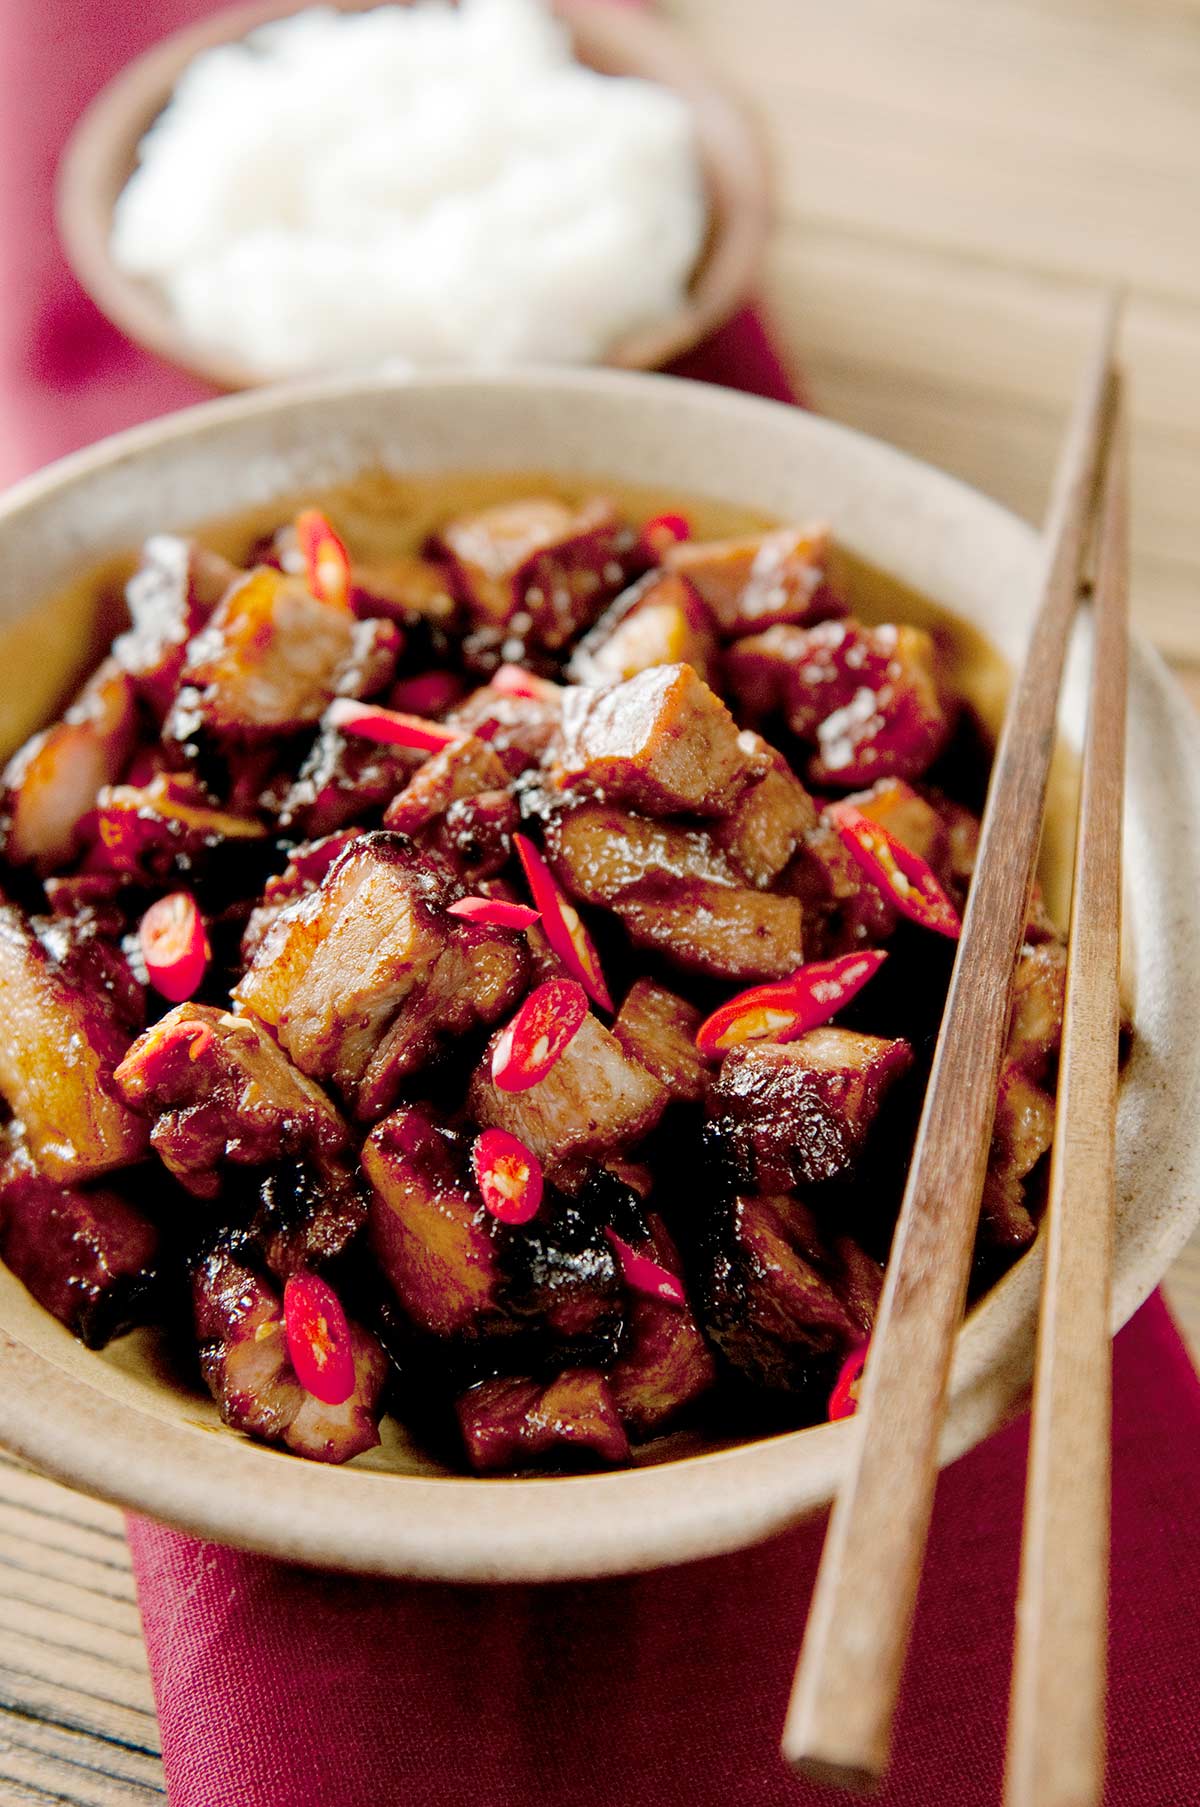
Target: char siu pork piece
474 837
662 742
306 867
515 1424
58 1053
594 1100
343 778
463 769
753 583
538 572
519 729
658 1029
1021 1135
665 1363
245 1363
768 1308
170 596
271 659
219 1089
169 830
867 698
769 821
797 1113
601 853
88 1256
364 978
52 782
660 620
708 928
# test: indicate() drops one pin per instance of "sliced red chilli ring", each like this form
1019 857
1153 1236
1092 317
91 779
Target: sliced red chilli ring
371 721
560 920
903 876
429 693
843 1400
509 1176
539 1035
644 1276
663 530
318 1338
514 680
790 1007
326 561
174 946
494 912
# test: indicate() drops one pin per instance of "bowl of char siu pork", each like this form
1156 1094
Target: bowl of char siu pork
481 860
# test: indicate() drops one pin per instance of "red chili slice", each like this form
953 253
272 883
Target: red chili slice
429 693
539 1034
371 721
843 1401
174 946
560 919
326 561
903 876
514 680
645 1276
494 912
790 1007
509 1176
664 530
318 1338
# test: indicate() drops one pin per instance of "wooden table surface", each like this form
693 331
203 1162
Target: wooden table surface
953 184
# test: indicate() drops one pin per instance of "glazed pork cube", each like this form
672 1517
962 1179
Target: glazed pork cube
662 742
752 583
658 1029
60 1048
168 829
220 1089
594 1100
843 910
460 770
867 698
509 1424
1039 998
665 1365
272 657
170 596
764 1302
660 620
1021 1134
89 1257
343 778
601 853
52 782
541 568
911 818
708 928
518 729
364 977
245 1364
769 821
474 837
798 1112
406 589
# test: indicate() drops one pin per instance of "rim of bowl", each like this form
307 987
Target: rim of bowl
215 1484
100 155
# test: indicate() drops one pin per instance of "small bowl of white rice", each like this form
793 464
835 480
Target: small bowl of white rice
279 193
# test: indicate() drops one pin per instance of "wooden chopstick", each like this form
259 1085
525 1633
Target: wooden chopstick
839 1720
1056 1722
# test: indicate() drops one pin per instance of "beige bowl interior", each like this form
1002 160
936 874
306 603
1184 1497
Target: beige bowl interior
616 40
120 1425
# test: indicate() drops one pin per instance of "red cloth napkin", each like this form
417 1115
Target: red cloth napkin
278 1687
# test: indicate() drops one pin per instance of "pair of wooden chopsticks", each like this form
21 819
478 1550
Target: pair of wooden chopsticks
848 1678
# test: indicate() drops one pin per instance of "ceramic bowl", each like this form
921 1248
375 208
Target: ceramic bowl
617 40
117 1424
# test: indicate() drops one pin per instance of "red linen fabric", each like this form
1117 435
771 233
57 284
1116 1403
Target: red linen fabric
278 1687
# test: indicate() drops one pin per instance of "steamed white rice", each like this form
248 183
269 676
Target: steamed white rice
415 183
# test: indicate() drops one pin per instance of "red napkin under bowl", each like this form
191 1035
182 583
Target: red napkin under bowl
281 1687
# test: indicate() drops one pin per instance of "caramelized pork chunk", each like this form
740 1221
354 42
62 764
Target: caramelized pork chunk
168 829
797 1113
662 742
1039 997
665 1364
1021 1135
769 821
752 583
169 597
272 657
709 928
58 1054
49 785
344 778
594 1100
509 1424
658 1029
660 620
244 1360
518 729
601 853
463 769
364 977
88 1256
219 1089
